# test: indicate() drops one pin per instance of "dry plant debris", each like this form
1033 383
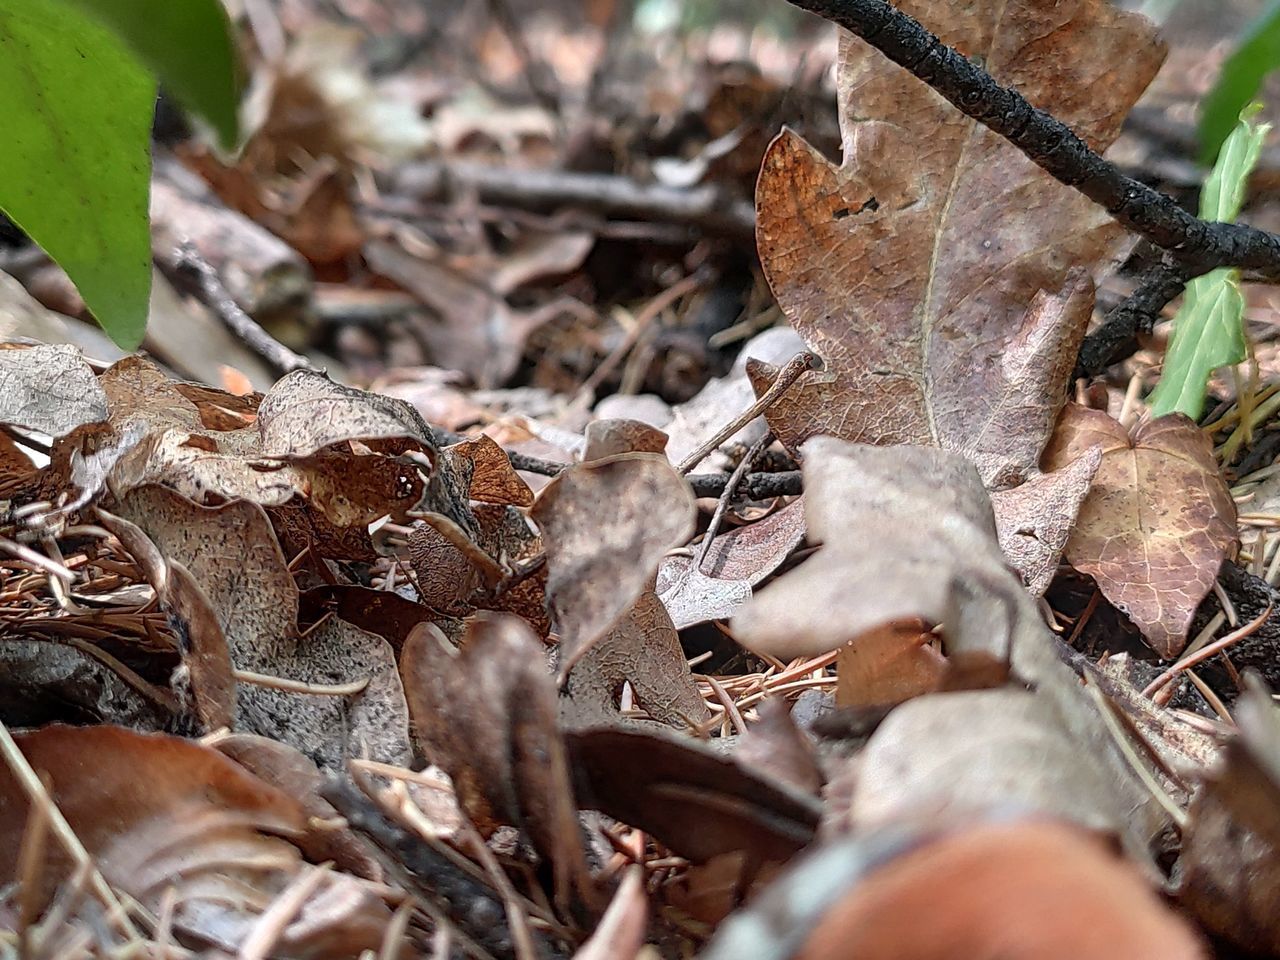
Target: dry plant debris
439 618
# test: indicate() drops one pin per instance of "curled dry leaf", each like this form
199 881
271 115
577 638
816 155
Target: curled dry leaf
48 388
157 812
1229 873
233 554
696 801
1032 888
606 524
492 478
487 717
944 293
203 646
608 438
1157 523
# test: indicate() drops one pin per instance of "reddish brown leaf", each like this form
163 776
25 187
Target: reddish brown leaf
1157 523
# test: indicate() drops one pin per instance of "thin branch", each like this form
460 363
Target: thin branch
1117 338
195 275
1196 245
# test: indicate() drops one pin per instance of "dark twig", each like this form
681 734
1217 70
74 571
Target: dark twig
708 208
730 487
194 274
1196 245
1117 337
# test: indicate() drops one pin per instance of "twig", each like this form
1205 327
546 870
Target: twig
706 207
194 274
800 363
722 506
1117 338
1196 245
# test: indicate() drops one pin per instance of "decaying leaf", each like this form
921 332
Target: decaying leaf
697 802
734 563
487 717
908 536
233 554
642 649
48 388
157 812
1030 888
1157 523
1230 868
606 524
948 295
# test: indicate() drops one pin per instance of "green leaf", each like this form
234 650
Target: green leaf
189 46
1208 331
1242 74
75 167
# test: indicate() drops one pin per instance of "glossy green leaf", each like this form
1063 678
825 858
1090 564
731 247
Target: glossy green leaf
75 166
1208 331
1257 54
189 46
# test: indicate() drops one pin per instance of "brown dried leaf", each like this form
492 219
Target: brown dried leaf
694 800
492 478
1157 523
606 525
940 291
487 717
233 554
607 438
1230 865
158 812
641 648
774 745
888 665
48 388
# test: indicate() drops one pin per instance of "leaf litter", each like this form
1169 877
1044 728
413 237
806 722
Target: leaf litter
345 683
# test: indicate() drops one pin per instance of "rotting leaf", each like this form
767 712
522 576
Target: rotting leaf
642 648
48 388
234 556
157 812
1229 872
697 802
960 287
1157 523
487 717
606 524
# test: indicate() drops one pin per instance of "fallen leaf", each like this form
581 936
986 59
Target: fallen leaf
234 556
487 717
948 295
607 438
605 525
159 813
1157 523
48 388
1229 871
697 802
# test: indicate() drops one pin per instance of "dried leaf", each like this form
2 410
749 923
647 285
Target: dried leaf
1157 523
695 801
643 649
608 438
492 478
948 295
158 812
1230 865
774 745
606 525
888 665
233 554
48 388
487 717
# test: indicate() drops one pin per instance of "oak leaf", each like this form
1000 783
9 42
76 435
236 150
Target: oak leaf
943 277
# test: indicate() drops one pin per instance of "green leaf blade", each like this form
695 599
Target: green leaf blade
1208 331
1239 81
190 47
75 172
